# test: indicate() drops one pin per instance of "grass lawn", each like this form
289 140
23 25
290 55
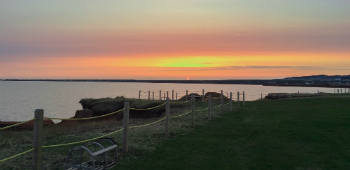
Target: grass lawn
298 134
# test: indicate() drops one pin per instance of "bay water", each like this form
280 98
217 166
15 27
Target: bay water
19 99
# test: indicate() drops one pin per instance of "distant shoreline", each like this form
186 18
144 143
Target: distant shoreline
315 85
263 82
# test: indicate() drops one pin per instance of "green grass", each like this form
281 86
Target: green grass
310 134
295 134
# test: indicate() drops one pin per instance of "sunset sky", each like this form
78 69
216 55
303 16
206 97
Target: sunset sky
174 39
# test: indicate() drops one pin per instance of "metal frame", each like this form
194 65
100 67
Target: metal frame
91 164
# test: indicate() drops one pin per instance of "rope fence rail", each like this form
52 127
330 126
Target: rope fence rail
14 156
87 140
148 123
202 109
86 118
148 108
182 114
126 109
16 124
180 102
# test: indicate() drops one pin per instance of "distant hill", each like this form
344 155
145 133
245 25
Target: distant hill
320 77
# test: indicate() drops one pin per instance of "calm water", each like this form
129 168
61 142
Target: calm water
18 100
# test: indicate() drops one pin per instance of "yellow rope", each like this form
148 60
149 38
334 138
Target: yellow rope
219 105
182 114
147 124
16 124
88 140
86 118
179 102
148 108
17 155
202 109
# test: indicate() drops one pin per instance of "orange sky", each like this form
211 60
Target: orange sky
174 39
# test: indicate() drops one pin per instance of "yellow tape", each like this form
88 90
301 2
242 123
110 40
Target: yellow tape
182 114
86 118
17 155
16 124
148 108
88 140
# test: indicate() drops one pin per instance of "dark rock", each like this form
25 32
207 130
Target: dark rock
83 113
214 96
25 126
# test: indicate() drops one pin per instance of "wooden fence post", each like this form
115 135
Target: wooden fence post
126 127
203 95
176 96
243 99
298 95
149 95
237 99
186 95
231 101
222 102
139 94
153 95
38 139
164 96
167 94
172 96
193 108
261 96
209 107
167 111
160 94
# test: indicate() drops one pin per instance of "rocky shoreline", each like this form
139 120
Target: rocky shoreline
102 106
